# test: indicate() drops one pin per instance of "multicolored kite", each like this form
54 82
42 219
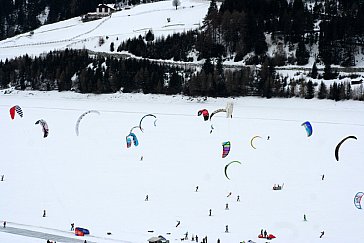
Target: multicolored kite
225 148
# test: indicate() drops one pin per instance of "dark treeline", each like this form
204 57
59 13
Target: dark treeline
176 46
239 28
76 70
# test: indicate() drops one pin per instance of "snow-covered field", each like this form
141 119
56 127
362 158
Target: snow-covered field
98 183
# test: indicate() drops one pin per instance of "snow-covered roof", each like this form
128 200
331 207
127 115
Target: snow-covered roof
109 5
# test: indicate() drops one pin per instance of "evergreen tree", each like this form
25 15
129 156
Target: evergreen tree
322 91
314 71
310 90
302 55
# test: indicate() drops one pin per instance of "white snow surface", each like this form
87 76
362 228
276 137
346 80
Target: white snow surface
98 183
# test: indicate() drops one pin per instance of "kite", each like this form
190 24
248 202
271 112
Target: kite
131 137
251 141
44 125
140 122
339 144
308 128
80 118
229 109
225 148
131 130
16 109
357 199
217 111
204 113
226 166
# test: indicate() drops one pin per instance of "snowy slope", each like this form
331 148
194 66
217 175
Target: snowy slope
96 182
73 33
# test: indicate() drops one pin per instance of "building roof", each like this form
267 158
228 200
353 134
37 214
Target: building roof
109 5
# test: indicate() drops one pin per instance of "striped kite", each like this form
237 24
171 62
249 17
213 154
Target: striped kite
225 148
16 109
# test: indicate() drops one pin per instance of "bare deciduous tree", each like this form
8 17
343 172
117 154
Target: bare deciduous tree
176 3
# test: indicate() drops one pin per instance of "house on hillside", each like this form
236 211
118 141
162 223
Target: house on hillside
105 9
102 10
159 239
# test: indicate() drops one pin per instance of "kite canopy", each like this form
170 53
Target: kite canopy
226 167
131 130
357 200
16 109
308 128
229 109
131 138
80 118
251 141
204 113
225 148
217 111
339 145
44 125
140 122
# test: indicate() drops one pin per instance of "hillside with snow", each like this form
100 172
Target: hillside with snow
96 182
121 25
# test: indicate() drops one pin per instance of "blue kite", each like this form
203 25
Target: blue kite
308 128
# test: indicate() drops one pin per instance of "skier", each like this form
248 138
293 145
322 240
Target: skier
146 198
186 235
210 212
227 229
178 223
238 198
268 138
227 206
196 238
265 234
72 226
323 176
304 217
2 178
196 188
141 158
44 213
322 234
229 194
4 224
